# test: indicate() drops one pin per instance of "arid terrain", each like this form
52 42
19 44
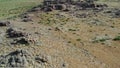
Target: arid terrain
69 38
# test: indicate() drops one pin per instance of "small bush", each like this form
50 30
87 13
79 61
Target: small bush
78 39
102 40
72 30
69 41
117 38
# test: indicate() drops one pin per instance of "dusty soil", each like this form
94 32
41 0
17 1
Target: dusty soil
70 43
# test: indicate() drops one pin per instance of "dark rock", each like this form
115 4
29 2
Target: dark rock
66 5
22 40
60 7
108 11
4 23
101 5
64 65
12 33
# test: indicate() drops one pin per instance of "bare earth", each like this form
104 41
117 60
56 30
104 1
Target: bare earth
71 44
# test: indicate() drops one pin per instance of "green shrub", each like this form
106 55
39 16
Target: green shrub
116 38
79 39
102 40
72 30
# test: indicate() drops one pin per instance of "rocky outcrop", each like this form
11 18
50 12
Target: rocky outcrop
18 58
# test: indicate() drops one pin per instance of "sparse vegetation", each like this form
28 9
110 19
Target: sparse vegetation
72 29
100 40
10 8
78 39
51 18
117 38
81 34
69 41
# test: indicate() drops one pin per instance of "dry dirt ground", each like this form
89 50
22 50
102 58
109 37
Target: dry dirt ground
74 42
